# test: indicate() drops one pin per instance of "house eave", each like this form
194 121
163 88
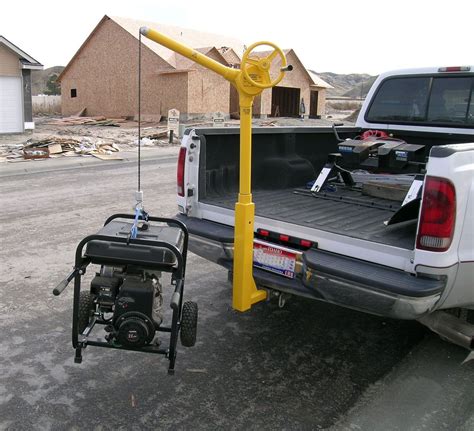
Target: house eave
318 87
22 54
32 66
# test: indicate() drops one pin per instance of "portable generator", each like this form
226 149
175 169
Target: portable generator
125 298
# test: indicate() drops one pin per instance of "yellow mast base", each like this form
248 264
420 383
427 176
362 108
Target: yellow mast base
245 292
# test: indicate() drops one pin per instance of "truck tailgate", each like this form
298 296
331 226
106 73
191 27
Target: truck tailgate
334 278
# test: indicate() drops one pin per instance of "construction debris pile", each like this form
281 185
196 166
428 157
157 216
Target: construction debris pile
90 121
54 146
78 136
82 140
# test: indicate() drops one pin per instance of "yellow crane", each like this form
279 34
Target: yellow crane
250 80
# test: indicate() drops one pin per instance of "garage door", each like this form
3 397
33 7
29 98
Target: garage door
285 102
11 113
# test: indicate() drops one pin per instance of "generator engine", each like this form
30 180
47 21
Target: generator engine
135 300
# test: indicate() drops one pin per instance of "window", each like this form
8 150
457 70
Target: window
470 112
73 92
449 100
400 100
433 101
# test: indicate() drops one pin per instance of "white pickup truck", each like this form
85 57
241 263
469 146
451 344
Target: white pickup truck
336 244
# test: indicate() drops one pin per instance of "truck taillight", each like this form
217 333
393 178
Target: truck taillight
280 238
438 215
180 171
454 69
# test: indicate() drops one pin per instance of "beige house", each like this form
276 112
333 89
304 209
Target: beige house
15 88
102 77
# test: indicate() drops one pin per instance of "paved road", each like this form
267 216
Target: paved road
307 366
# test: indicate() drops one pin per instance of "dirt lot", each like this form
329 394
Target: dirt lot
300 367
86 138
297 368
307 366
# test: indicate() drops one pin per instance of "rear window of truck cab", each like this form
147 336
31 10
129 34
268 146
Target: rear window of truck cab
424 100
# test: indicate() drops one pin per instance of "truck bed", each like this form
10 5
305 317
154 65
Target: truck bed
285 160
331 212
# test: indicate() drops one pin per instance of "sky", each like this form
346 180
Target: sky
340 36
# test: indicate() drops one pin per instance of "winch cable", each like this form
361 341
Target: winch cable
139 105
139 209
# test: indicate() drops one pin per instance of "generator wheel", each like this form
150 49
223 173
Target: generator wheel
189 317
85 308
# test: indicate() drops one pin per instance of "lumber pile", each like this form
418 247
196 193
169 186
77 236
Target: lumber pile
159 135
90 121
270 123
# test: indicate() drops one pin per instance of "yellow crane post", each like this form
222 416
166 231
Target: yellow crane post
250 80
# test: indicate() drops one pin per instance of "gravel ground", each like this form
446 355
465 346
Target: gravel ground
307 366
301 367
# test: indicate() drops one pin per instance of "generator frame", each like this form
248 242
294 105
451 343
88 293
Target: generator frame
177 270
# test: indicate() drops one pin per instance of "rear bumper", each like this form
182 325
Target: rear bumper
329 277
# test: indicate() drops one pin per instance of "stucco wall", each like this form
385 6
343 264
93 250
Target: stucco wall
105 73
9 62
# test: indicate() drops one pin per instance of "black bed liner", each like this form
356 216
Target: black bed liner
327 213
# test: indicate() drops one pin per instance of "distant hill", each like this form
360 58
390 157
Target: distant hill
351 85
40 77
361 89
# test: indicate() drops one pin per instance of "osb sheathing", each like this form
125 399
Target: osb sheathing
321 100
173 89
9 62
234 103
207 91
230 56
104 74
297 78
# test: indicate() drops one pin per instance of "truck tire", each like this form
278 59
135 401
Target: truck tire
86 305
189 317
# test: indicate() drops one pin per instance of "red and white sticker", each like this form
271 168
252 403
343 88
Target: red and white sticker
279 260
